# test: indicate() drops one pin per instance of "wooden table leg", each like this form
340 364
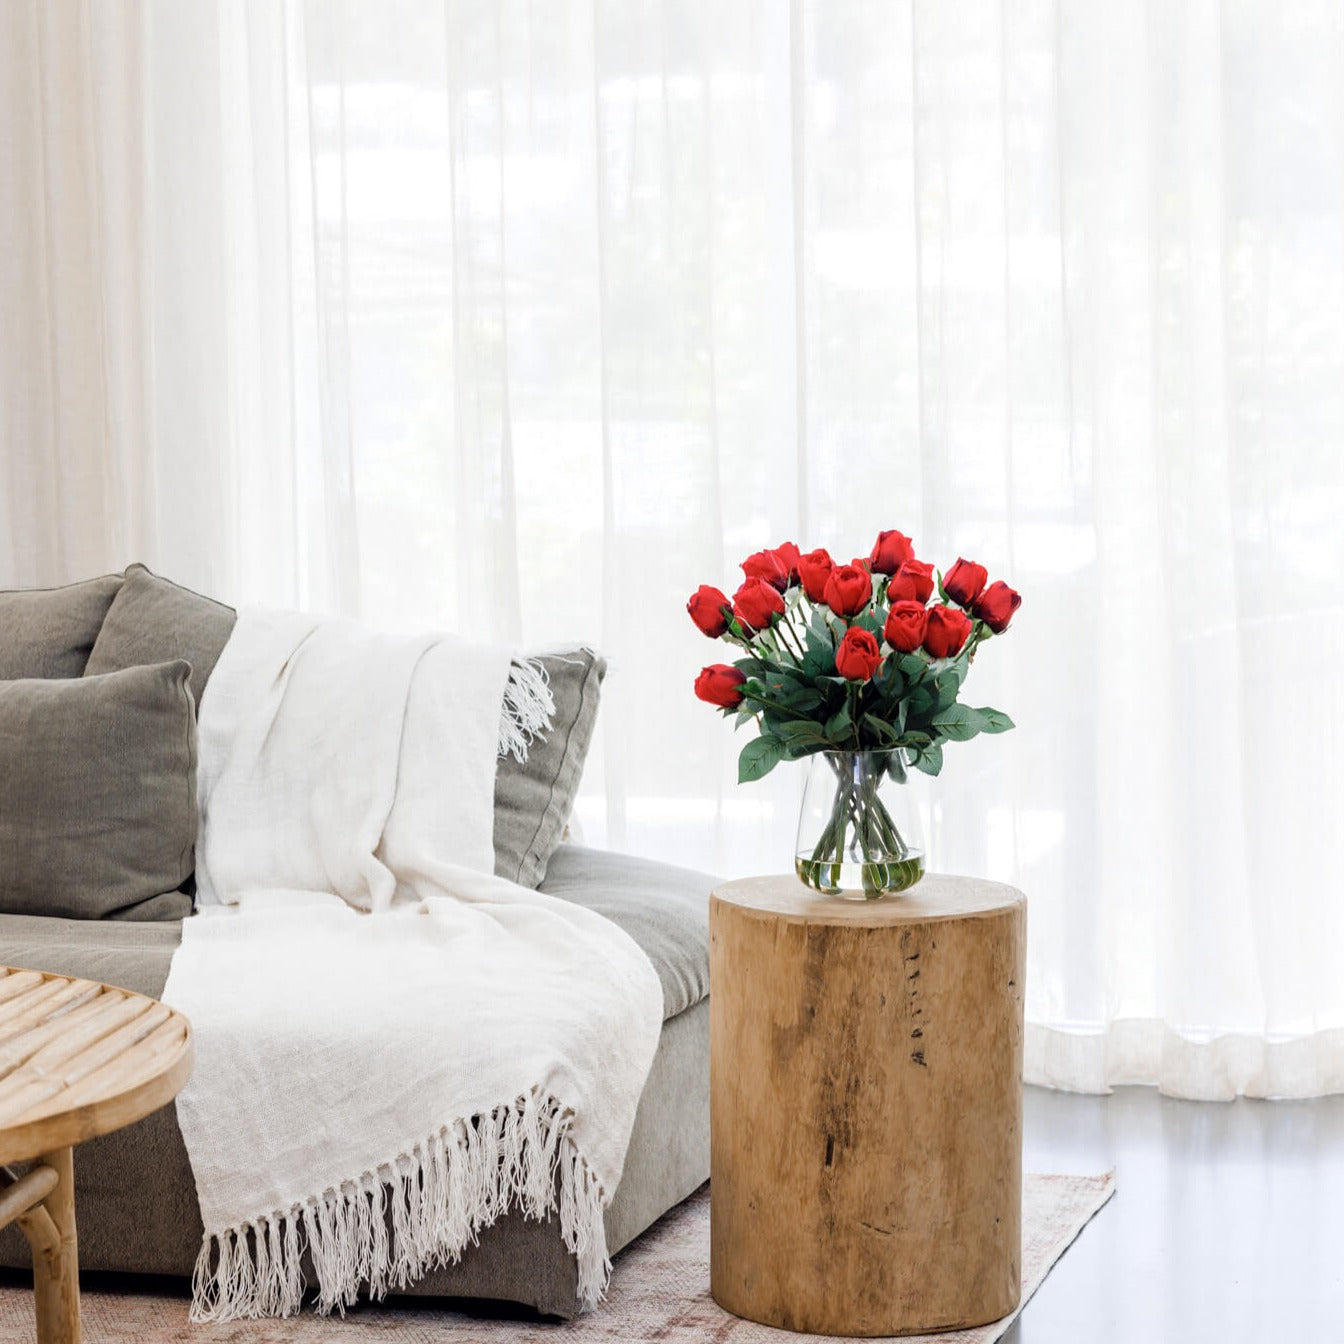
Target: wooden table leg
50 1229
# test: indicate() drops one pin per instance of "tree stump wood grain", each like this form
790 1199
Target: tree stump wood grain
866 1105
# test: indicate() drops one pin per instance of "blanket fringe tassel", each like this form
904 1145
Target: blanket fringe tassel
528 707
413 1215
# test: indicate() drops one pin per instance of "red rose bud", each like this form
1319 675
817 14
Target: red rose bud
996 605
913 582
706 609
858 656
787 555
720 685
890 551
814 569
755 602
770 566
907 622
963 582
847 590
946 632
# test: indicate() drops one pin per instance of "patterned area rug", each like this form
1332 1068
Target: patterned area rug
659 1292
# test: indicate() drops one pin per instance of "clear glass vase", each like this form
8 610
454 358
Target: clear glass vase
856 831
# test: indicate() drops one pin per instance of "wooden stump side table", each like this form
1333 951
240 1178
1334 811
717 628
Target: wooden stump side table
77 1059
866 1105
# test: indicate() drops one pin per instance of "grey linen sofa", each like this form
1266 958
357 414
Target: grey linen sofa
135 1195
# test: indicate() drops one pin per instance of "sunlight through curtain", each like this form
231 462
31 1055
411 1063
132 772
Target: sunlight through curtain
524 319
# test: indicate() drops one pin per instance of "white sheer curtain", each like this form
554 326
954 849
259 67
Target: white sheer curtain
526 318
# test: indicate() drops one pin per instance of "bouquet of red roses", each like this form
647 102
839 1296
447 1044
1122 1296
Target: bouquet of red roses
853 658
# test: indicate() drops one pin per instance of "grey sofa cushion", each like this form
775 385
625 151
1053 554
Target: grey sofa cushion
533 800
97 793
152 620
48 632
664 909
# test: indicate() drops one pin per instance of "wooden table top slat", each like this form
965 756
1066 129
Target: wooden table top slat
15 982
161 1047
35 1002
99 1052
100 1019
25 1044
78 1058
42 1002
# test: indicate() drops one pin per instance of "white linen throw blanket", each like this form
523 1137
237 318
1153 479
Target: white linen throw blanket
394 1047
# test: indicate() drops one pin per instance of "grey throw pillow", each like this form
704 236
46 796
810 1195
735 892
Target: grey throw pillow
533 800
98 794
152 621
48 632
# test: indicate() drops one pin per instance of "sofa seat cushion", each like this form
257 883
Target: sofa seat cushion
663 908
129 955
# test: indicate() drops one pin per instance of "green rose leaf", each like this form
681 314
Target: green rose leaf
958 723
995 720
839 725
754 667
802 732
949 685
921 701
890 683
819 660
930 759
868 621
759 758
795 695
886 732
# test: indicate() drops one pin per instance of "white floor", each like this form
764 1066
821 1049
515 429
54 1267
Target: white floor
1227 1224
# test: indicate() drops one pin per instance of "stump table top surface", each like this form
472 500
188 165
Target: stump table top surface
79 1058
937 896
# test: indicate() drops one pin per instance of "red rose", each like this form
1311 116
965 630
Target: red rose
814 569
720 685
755 602
906 624
848 589
912 582
778 567
946 632
706 608
890 551
858 656
963 582
996 605
787 555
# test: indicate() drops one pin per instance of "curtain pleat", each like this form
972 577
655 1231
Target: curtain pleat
525 319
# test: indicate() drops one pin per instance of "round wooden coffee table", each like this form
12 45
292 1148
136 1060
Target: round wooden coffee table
77 1059
866 1105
